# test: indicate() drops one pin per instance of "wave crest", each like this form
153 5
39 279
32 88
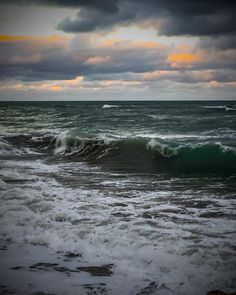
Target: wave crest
132 154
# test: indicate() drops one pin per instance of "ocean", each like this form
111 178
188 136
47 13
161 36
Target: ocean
129 198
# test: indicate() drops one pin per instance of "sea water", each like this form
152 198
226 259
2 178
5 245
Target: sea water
117 197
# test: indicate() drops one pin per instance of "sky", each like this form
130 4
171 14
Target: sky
117 50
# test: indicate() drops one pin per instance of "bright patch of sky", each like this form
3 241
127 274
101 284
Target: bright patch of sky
136 33
32 20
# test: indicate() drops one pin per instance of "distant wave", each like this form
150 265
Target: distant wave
230 109
214 107
224 107
158 116
107 106
130 154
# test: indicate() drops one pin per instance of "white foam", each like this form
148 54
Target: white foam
7 149
108 106
162 149
42 211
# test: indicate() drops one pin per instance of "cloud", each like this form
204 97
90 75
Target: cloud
68 85
92 18
225 42
94 60
150 85
56 85
171 18
48 58
99 4
185 77
91 63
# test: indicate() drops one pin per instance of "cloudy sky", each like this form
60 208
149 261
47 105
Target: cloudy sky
117 49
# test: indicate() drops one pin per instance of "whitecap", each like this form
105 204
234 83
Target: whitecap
214 107
107 106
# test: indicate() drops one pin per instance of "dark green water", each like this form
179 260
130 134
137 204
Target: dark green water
157 137
148 187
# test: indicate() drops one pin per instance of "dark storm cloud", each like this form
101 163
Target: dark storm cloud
98 4
172 17
219 42
91 19
197 18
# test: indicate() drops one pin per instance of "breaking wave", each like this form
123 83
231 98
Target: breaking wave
131 154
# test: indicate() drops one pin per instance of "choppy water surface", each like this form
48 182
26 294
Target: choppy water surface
112 198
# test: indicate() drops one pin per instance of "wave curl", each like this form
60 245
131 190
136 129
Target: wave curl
133 154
